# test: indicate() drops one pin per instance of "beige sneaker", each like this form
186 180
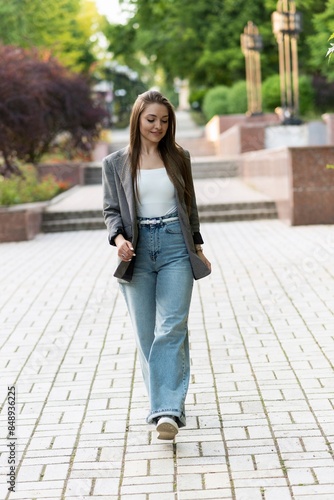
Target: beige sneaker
167 428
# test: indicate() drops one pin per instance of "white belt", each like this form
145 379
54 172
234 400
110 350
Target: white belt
157 220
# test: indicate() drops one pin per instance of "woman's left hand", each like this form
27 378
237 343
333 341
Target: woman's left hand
201 255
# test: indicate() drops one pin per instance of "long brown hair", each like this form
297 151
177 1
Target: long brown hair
171 153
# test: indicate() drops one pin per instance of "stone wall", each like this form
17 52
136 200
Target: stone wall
237 134
20 222
313 133
298 179
72 172
241 139
23 222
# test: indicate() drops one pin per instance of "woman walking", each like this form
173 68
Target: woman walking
151 215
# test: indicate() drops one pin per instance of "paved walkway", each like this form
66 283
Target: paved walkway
208 192
261 399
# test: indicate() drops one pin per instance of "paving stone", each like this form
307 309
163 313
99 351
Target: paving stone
161 466
159 496
204 494
190 482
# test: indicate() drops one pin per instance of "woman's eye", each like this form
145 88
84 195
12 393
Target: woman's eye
152 121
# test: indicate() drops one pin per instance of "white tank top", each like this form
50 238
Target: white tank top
156 193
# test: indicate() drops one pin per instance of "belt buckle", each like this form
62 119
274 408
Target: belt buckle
152 222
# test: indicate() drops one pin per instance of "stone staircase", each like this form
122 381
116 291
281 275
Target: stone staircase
54 222
93 174
225 212
202 167
218 200
228 212
221 194
208 167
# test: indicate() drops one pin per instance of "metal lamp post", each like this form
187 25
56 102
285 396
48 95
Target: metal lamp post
251 45
287 24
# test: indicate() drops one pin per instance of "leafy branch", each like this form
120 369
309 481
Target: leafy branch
330 51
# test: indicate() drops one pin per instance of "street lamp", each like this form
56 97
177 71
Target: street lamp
251 45
287 24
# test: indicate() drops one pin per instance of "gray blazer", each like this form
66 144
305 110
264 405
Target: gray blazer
119 211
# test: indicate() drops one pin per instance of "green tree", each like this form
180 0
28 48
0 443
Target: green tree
331 48
63 27
323 23
197 40
200 40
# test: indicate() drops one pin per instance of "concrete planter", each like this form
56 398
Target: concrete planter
21 222
297 179
24 222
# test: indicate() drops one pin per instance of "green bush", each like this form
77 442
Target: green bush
196 98
39 99
271 94
237 102
28 187
224 100
306 95
216 102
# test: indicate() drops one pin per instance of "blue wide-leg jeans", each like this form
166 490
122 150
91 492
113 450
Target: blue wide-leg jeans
158 301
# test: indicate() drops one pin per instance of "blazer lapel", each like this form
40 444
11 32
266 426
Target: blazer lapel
123 168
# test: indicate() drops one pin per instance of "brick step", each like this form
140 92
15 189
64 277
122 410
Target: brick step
209 167
242 206
71 214
92 219
238 211
238 215
202 168
93 174
73 224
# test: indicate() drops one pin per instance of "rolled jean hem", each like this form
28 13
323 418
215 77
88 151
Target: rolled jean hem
181 418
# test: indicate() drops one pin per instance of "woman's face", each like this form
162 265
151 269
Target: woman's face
153 123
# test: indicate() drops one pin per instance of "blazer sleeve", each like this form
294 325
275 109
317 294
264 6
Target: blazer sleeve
193 216
111 203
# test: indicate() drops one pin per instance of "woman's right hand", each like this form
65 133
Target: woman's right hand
201 255
125 249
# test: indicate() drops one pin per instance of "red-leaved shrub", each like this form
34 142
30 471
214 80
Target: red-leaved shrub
39 100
